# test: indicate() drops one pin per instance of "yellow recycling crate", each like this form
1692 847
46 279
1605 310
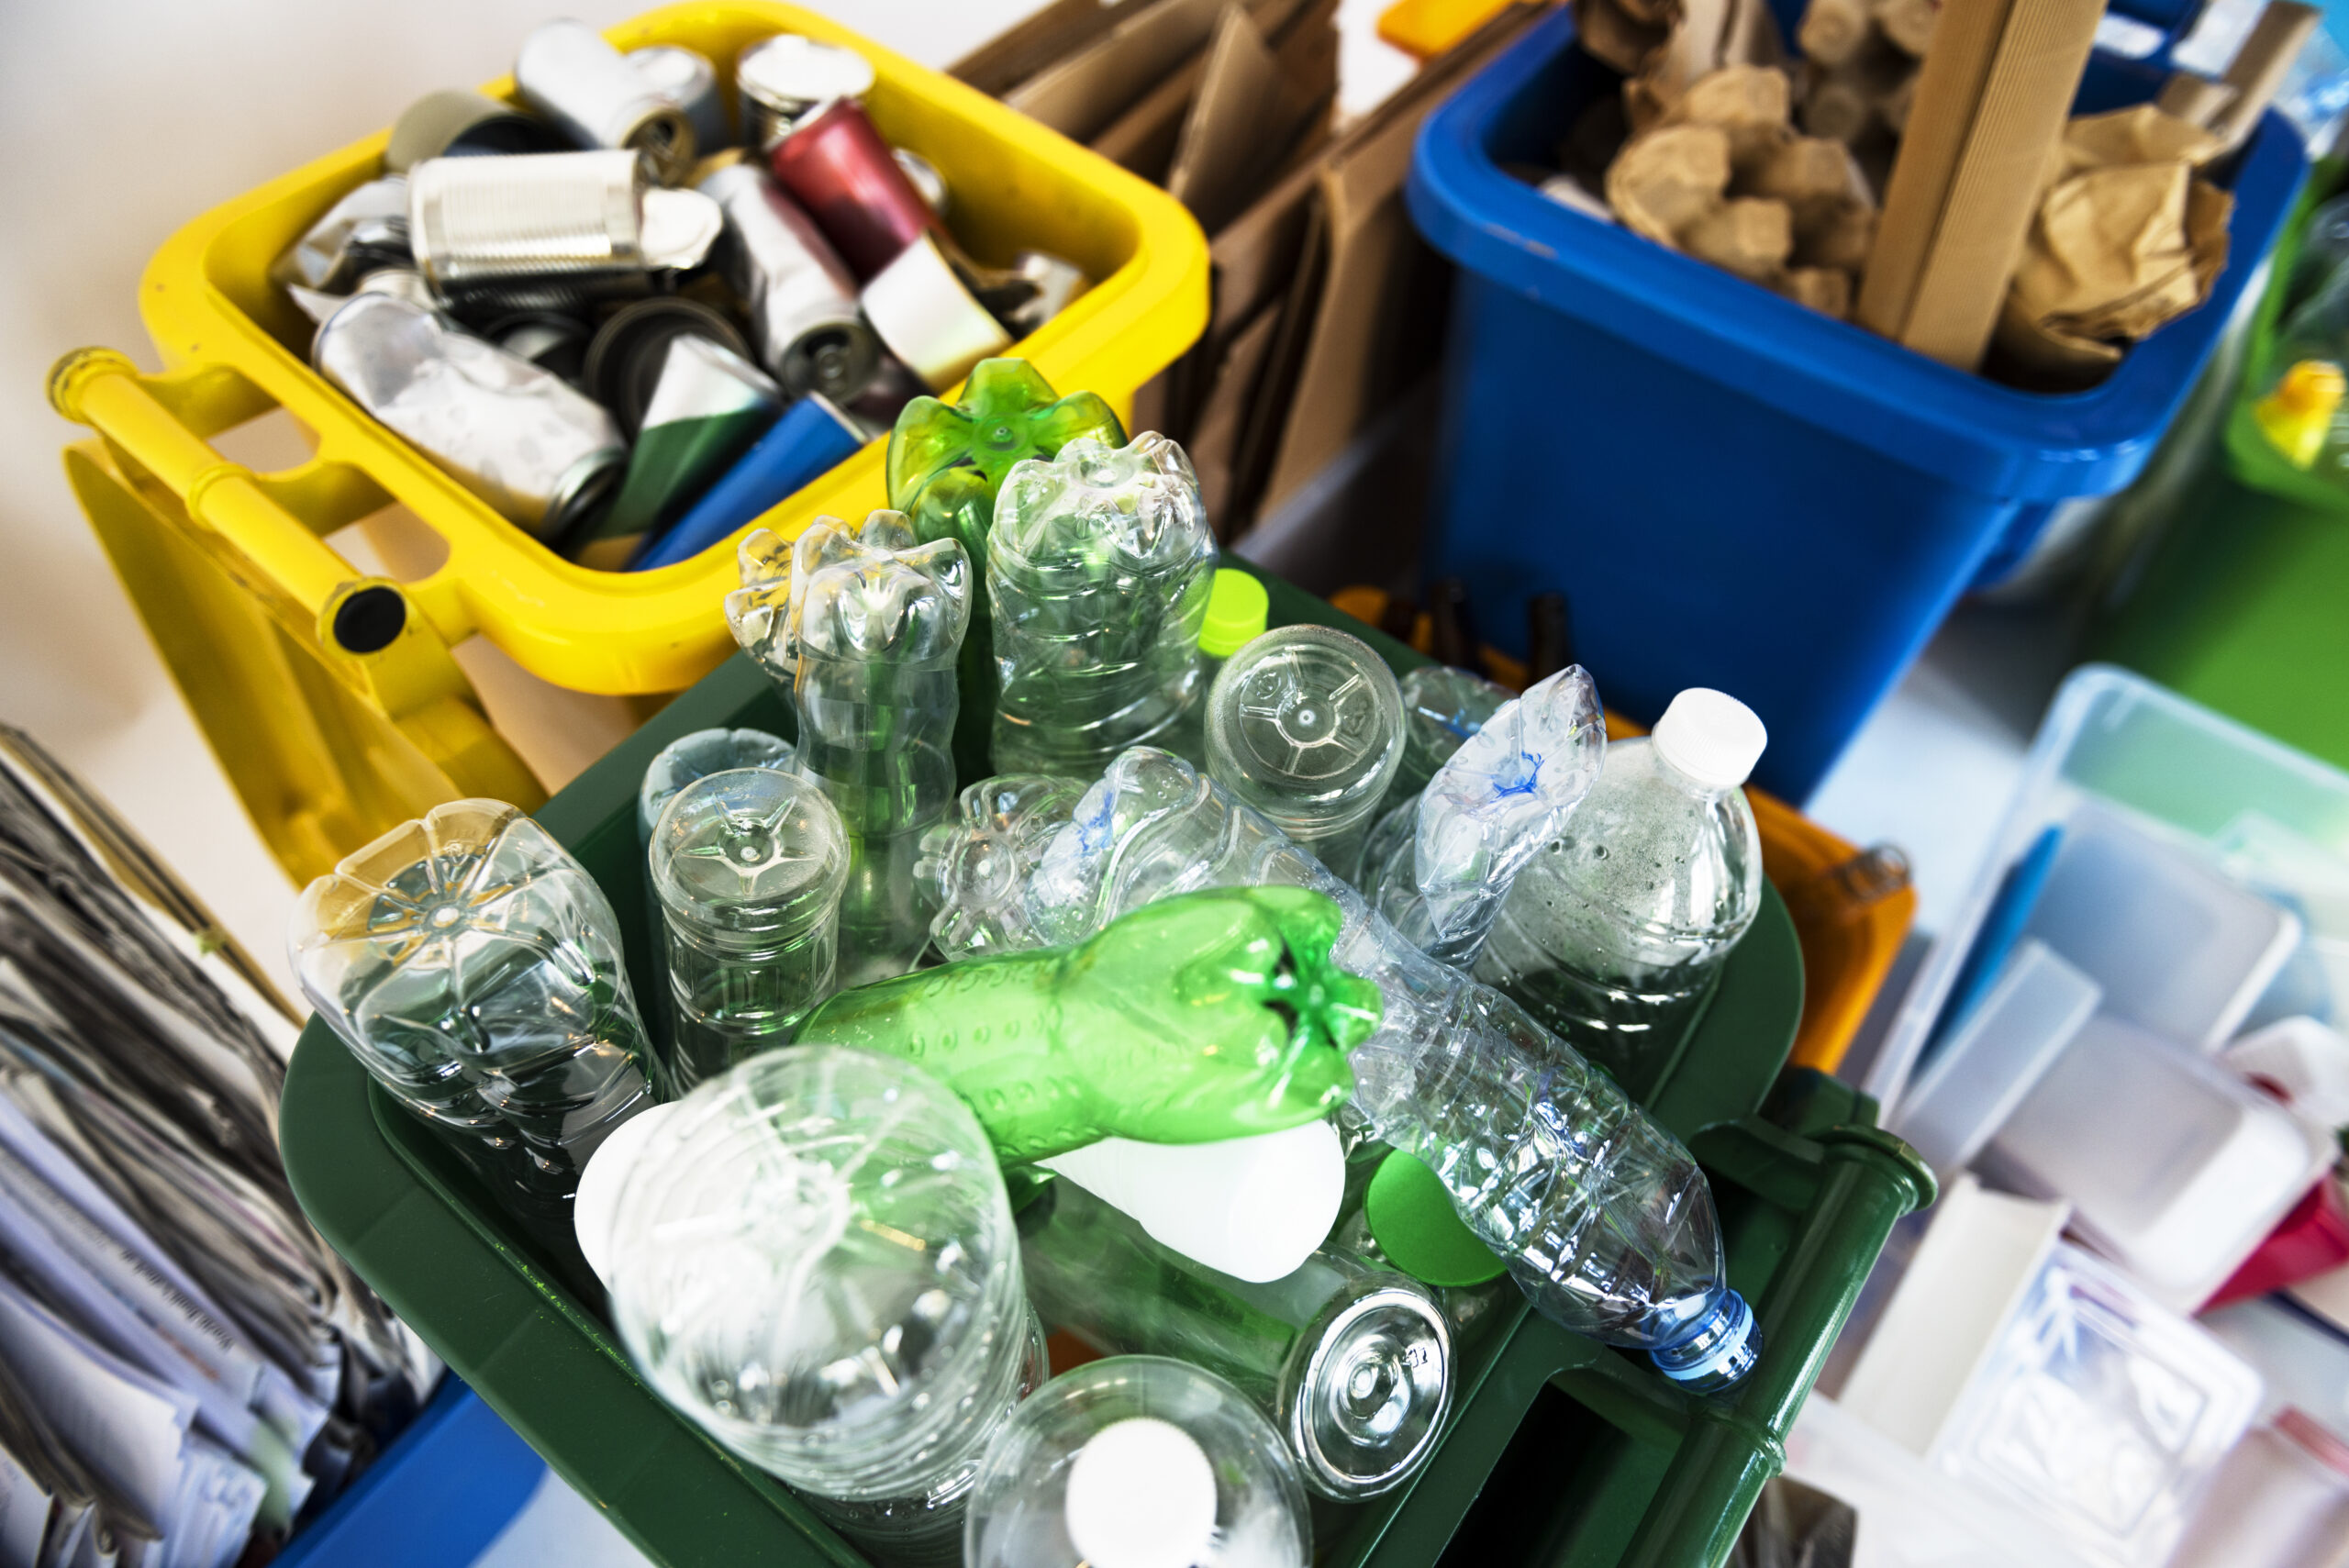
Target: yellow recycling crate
329 695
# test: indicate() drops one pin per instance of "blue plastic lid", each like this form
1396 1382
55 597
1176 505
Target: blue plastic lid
1884 399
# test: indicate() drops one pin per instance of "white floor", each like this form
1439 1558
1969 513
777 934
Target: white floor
128 116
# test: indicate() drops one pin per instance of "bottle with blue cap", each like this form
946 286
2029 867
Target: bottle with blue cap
1613 935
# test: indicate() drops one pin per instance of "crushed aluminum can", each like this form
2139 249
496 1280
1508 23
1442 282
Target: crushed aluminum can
550 339
401 282
810 440
800 295
366 229
690 81
550 230
542 454
1057 283
779 82
922 311
627 359
461 123
926 180
836 166
708 406
568 72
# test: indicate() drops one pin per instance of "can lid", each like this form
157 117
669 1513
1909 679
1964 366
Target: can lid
1711 737
788 71
1141 1494
1238 608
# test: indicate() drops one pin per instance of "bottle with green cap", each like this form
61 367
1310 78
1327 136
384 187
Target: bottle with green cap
1306 725
1238 609
1613 935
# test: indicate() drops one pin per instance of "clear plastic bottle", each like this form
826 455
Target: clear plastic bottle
1613 936
475 970
813 1258
1353 1363
1306 725
1443 707
747 866
863 627
1098 570
1440 868
1138 1461
1601 1214
698 755
973 867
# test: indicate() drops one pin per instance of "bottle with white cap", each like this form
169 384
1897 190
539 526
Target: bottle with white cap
1613 935
1138 1461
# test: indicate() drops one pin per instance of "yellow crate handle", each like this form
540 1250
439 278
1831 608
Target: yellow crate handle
375 635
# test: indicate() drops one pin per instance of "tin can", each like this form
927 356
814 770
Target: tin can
801 296
926 179
550 230
540 453
690 81
922 311
461 123
627 359
836 166
779 82
812 438
568 72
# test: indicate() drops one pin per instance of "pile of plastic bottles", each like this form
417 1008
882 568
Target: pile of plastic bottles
629 328
1115 1041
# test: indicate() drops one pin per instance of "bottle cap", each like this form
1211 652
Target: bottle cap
1412 1218
1721 1348
1711 737
1141 1494
1238 608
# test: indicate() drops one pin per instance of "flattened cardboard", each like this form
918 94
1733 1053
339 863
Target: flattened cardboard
1253 103
1082 95
1990 106
1011 57
2258 67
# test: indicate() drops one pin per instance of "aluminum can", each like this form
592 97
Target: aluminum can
805 324
836 166
689 81
779 82
568 72
929 319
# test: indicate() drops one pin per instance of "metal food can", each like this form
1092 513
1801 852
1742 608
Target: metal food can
568 72
542 454
810 440
550 230
922 311
802 298
690 81
781 81
837 167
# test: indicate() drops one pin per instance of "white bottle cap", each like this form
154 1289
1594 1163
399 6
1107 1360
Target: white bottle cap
1141 1494
1252 1207
1711 737
596 1202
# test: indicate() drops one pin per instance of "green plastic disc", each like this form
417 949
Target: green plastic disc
1412 1219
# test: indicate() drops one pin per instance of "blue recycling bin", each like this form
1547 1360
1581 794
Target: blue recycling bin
444 1489
1735 491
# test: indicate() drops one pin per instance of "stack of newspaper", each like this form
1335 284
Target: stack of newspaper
185 1365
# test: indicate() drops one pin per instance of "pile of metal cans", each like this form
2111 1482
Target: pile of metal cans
628 331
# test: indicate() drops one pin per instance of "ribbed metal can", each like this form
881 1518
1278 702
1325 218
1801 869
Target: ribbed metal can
520 439
568 72
545 230
781 81
805 324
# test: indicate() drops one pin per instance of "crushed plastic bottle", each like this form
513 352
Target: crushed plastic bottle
813 1258
946 462
973 868
1613 935
1443 707
1353 1363
748 867
474 968
863 627
1602 1217
1196 1019
1306 725
1138 1461
1441 867
1098 570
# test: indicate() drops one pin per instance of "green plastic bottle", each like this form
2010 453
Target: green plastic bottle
946 462
1211 1015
